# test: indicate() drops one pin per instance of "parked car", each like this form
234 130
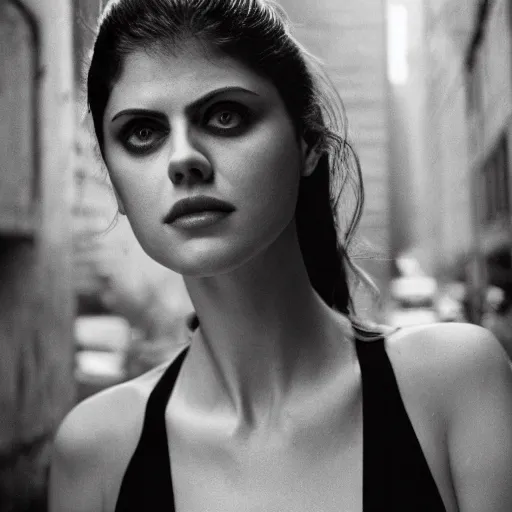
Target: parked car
101 342
413 301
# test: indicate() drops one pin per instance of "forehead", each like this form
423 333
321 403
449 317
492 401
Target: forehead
180 77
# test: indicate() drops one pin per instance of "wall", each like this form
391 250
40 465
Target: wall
36 302
490 129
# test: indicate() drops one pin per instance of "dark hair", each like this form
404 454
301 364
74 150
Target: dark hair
257 33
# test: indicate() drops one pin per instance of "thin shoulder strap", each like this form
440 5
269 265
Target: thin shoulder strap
396 475
147 482
377 436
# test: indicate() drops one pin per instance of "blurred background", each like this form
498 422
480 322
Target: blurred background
427 86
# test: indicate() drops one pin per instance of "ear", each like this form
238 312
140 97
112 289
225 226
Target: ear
310 156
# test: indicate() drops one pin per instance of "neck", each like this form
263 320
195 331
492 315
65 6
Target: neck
264 333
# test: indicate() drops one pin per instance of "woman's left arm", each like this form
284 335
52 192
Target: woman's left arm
480 424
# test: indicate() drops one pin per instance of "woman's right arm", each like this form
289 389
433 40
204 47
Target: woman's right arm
76 470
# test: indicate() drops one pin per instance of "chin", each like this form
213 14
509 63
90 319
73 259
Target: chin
203 261
210 256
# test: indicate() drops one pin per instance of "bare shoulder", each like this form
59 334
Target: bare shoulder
98 419
445 355
461 373
448 346
96 440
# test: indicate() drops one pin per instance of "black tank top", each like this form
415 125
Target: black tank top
396 476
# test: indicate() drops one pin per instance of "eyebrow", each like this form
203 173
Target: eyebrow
192 106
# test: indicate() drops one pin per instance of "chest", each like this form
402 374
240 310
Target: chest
316 467
270 477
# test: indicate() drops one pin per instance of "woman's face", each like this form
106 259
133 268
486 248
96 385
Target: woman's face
206 128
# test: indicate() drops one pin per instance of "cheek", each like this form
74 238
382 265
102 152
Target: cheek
139 188
135 182
269 173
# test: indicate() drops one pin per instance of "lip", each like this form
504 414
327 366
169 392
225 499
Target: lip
195 206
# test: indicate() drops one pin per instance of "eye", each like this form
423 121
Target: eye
227 117
142 135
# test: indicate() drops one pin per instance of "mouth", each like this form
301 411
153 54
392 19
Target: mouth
198 210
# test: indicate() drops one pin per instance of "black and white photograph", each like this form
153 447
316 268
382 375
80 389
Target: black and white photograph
255 255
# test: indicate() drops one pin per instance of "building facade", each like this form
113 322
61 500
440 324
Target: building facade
462 211
489 113
448 234
36 300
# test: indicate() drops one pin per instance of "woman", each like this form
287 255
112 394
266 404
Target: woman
224 148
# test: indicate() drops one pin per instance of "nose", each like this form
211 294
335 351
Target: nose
187 165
